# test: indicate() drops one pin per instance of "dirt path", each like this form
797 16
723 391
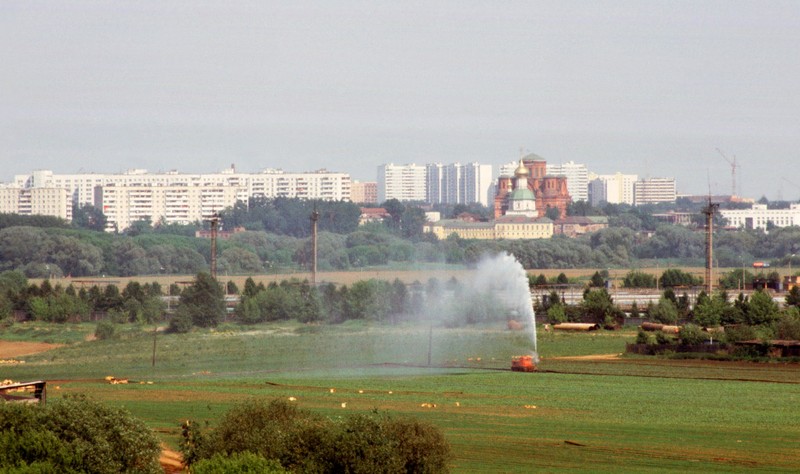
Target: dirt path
11 349
171 461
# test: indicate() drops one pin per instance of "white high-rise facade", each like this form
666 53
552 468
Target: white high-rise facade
402 182
612 188
459 183
455 183
477 182
577 178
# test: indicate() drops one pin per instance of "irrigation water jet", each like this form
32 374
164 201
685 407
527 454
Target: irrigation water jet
504 275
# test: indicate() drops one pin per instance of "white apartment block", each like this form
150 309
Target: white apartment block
577 179
612 188
459 184
654 191
183 198
53 202
759 216
402 182
124 205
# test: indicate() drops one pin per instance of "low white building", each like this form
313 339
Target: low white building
759 216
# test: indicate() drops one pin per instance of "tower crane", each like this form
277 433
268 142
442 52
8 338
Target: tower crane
734 165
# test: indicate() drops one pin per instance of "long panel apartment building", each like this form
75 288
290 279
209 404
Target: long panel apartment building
181 198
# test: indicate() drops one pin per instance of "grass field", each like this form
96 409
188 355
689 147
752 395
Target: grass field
596 413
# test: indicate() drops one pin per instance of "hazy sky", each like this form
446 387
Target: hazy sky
642 87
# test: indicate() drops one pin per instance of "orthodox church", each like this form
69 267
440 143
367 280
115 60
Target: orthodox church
530 192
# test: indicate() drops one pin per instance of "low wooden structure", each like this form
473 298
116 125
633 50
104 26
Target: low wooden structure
24 392
775 347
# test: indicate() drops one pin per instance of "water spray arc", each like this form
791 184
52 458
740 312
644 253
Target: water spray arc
503 274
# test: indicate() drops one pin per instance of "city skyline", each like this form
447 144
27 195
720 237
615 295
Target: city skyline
647 88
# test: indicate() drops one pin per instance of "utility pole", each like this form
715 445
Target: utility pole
214 226
709 211
314 219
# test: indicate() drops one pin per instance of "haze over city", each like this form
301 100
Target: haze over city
648 88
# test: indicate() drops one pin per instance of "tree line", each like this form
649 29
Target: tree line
276 239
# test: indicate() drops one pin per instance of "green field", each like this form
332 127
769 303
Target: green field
592 414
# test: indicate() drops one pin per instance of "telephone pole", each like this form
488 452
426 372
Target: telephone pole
314 219
709 211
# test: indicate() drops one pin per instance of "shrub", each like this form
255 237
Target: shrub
788 326
421 446
663 338
740 333
75 435
245 462
305 442
181 321
105 330
664 312
557 314
691 334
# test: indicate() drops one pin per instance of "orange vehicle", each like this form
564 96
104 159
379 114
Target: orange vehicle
523 363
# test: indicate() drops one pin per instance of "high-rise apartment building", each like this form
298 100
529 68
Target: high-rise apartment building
402 182
436 183
612 188
577 178
458 183
654 191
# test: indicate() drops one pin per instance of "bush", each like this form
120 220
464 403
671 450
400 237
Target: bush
181 321
302 441
663 338
691 334
421 446
740 333
557 314
105 330
245 462
75 435
788 326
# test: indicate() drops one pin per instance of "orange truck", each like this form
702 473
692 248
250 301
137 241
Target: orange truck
523 363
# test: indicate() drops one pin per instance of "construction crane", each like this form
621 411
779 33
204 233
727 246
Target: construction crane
734 165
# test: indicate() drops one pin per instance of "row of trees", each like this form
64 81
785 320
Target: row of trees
758 311
277 240
44 302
